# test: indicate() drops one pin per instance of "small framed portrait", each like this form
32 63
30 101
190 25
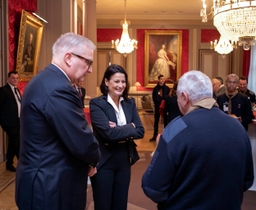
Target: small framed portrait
30 36
162 56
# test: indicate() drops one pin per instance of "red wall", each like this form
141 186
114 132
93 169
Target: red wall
106 35
208 35
14 14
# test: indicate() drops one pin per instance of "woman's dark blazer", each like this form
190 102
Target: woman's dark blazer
101 113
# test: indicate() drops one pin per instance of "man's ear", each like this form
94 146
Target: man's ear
68 59
182 96
185 99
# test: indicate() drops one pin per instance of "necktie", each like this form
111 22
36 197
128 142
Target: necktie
17 93
79 91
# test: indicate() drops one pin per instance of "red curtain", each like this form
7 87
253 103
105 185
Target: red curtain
246 62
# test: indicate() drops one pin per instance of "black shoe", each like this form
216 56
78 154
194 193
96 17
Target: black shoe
152 139
10 168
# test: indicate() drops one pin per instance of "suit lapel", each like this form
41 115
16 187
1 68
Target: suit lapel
127 112
109 110
10 92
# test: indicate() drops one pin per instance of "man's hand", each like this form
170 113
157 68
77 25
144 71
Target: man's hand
92 171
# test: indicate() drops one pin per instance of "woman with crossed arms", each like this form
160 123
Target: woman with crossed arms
116 123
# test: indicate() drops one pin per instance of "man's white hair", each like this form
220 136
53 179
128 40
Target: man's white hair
71 42
196 85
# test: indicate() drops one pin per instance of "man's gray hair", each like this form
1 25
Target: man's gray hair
232 75
70 42
196 85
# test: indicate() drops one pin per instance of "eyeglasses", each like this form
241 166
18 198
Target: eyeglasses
87 61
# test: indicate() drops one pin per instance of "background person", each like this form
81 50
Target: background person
234 103
58 149
218 87
116 124
203 159
171 108
10 117
160 92
81 91
242 88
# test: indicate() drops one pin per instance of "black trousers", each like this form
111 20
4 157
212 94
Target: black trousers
13 149
156 121
111 183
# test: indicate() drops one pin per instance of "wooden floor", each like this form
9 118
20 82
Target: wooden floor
7 179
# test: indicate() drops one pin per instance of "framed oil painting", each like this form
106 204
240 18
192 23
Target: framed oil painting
162 56
29 44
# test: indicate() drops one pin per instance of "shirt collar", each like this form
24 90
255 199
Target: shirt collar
110 100
62 71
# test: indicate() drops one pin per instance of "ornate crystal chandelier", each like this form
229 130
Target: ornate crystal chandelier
125 45
234 19
222 47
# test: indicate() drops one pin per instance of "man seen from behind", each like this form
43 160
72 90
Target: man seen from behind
203 159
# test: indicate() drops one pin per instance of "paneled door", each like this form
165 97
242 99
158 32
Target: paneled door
213 64
105 57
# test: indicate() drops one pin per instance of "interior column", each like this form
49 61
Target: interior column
90 31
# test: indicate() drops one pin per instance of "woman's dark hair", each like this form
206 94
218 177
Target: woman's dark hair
110 71
174 89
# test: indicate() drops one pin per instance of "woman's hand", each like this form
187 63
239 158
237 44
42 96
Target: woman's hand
112 124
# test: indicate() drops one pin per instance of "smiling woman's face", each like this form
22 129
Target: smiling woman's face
116 85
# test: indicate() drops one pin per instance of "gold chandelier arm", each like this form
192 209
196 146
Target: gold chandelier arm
124 10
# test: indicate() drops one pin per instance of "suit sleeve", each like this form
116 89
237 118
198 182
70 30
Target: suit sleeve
100 116
64 112
136 120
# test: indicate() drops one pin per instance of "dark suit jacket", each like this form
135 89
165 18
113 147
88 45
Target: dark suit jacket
8 107
101 113
57 145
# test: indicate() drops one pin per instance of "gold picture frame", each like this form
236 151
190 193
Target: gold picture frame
30 36
162 56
